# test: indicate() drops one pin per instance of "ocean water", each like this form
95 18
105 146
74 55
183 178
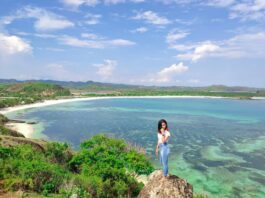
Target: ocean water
217 145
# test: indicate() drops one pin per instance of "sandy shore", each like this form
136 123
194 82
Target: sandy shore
59 101
24 128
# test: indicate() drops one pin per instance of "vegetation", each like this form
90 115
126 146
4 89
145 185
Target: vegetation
146 92
29 92
101 168
14 92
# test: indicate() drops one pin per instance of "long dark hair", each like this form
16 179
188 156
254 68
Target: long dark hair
160 125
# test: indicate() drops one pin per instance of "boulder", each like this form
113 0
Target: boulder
171 187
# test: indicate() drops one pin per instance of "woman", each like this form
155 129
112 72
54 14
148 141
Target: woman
163 136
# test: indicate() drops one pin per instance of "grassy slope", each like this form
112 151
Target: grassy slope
29 92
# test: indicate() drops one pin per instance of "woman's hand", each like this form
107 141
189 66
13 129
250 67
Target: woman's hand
156 151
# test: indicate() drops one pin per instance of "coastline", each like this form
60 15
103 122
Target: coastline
59 101
27 129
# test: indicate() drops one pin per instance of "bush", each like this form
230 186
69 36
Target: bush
24 168
58 152
99 169
106 160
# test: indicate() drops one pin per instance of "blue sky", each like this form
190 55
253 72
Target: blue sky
144 42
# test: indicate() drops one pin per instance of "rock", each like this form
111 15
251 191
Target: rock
74 196
172 187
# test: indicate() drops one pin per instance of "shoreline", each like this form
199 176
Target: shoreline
27 129
60 101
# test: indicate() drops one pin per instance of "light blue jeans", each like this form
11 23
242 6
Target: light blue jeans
164 152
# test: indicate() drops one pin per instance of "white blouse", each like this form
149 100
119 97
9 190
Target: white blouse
159 136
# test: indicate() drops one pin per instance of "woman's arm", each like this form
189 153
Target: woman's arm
157 144
157 149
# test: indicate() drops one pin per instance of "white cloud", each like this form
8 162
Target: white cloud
75 42
140 30
77 3
251 45
244 10
249 10
165 75
199 52
90 36
45 20
220 3
244 46
94 42
180 2
151 17
11 45
114 1
175 35
120 42
138 1
92 19
106 69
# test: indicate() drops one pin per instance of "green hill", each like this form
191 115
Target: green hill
29 92
91 88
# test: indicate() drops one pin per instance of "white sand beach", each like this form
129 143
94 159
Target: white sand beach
59 101
24 128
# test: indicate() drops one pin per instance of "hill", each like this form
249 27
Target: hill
91 88
29 92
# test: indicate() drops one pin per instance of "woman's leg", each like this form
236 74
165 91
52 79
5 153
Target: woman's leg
164 159
166 162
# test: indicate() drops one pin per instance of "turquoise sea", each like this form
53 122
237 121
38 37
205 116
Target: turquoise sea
218 145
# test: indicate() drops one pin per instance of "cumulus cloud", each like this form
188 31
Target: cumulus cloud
165 75
152 17
11 45
106 69
45 20
199 52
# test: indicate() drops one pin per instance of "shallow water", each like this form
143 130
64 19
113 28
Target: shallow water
218 145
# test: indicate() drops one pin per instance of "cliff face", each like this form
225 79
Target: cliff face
172 187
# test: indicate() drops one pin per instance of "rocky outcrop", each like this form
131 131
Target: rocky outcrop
171 187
